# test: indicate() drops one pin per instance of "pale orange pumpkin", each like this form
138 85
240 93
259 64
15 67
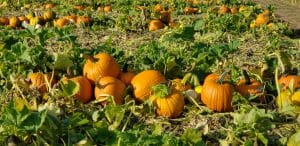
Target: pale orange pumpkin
143 81
83 19
85 89
217 94
155 25
99 66
223 10
107 8
109 86
38 81
169 102
61 22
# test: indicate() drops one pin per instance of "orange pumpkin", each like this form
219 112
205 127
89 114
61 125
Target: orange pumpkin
217 94
158 8
143 82
49 6
233 10
107 9
285 81
85 89
38 81
190 10
261 19
168 102
22 18
155 25
110 86
126 77
83 19
71 18
61 22
223 10
178 85
99 66
4 21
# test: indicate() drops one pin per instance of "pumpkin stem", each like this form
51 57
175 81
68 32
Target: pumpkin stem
88 57
222 77
186 78
161 90
196 80
247 78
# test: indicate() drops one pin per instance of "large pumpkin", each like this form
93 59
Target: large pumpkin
285 81
85 89
217 94
168 102
99 66
143 82
39 81
109 86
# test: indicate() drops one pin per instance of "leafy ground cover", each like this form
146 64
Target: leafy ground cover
192 40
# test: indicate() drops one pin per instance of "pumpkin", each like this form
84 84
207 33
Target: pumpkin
223 10
158 8
109 86
168 102
165 16
22 18
14 22
100 8
294 140
190 10
71 18
284 99
34 21
261 19
79 7
143 81
38 81
49 6
179 85
107 9
126 77
246 87
217 94
233 10
296 98
99 66
61 22
285 81
83 19
155 25
4 21
85 89
48 15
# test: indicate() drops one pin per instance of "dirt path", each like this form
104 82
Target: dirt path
286 10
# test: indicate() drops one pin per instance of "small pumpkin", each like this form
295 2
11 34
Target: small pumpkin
126 77
190 10
158 8
217 94
249 86
155 25
233 10
85 89
79 7
84 20
49 6
285 81
168 101
61 22
223 10
22 18
107 8
99 66
180 85
14 22
143 81
109 86
296 98
38 81
71 18
261 19
100 8
4 21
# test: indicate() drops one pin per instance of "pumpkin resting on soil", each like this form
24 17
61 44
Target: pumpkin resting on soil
217 94
155 25
110 86
143 82
85 89
168 102
285 81
99 66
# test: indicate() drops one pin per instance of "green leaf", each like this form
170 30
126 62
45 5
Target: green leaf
262 138
34 121
114 115
192 136
61 61
69 88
